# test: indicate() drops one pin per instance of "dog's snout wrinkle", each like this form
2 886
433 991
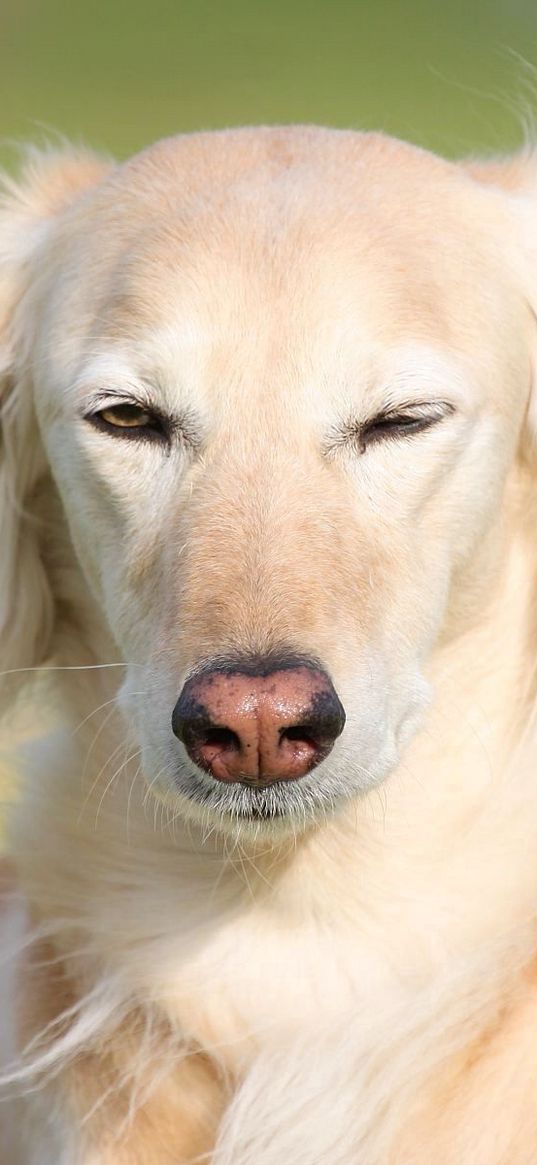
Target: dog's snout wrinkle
259 728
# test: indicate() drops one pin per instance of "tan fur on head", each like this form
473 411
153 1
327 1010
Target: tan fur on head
332 338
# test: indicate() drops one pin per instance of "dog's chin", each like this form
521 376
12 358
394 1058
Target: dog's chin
278 810
281 809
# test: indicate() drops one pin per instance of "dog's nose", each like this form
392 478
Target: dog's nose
275 725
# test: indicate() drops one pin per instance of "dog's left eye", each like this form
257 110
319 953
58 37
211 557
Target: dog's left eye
129 420
393 424
399 425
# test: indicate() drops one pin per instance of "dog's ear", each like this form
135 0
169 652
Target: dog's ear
514 178
30 207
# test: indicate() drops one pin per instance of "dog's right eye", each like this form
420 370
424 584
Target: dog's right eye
130 420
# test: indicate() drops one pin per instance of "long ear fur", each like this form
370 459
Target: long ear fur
29 208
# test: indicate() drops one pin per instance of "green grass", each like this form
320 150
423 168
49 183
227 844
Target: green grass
118 74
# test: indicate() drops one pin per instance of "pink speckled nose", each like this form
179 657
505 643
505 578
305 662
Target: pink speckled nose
258 728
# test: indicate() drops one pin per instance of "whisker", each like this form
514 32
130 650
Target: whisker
122 766
94 713
12 671
132 784
96 737
94 784
149 789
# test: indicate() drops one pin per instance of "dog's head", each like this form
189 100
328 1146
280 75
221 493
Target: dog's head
279 378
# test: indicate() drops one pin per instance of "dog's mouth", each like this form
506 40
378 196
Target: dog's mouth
297 805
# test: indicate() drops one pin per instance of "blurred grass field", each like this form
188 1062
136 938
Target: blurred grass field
119 74
456 77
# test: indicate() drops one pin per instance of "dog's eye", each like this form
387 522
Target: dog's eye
126 417
129 420
396 425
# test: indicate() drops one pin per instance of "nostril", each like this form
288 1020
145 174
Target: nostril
312 739
299 732
222 738
321 730
298 746
212 747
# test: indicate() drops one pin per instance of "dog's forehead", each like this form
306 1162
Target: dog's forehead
282 167
344 201
252 249
295 223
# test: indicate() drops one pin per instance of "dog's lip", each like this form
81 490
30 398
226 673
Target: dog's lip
259 783
259 813
220 801
278 794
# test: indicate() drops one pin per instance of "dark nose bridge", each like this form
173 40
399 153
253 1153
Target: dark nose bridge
258 721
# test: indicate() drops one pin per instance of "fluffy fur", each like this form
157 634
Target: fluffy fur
353 980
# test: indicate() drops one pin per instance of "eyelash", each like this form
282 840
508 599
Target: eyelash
392 426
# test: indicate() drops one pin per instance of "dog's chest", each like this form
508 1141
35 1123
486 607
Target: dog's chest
258 979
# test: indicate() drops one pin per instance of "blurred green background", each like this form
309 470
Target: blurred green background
118 73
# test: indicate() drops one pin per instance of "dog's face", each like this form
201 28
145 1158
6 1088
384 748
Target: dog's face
280 378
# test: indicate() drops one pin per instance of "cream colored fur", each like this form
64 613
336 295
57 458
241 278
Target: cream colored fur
357 984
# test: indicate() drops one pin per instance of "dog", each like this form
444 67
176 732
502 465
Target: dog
269 578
